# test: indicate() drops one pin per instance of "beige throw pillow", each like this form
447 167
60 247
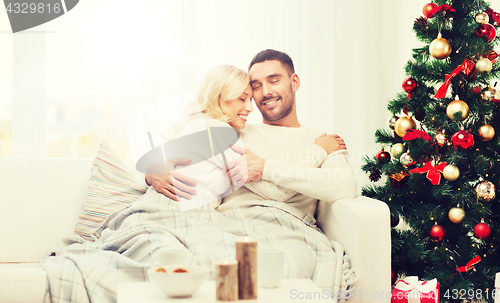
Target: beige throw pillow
111 187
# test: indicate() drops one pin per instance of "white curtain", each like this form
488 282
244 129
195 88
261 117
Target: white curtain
89 71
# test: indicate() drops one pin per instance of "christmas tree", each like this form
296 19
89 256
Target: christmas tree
440 154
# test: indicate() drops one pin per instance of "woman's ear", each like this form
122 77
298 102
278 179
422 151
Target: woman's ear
295 82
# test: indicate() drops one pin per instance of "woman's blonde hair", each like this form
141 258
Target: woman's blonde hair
221 84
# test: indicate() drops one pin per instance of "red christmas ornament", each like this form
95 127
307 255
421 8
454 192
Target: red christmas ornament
462 139
487 31
394 276
437 233
394 220
383 157
482 231
409 85
428 8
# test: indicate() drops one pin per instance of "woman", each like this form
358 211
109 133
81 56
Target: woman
224 94
223 101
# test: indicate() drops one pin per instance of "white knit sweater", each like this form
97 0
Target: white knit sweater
296 172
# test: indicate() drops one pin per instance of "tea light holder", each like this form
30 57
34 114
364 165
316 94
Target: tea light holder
246 255
226 280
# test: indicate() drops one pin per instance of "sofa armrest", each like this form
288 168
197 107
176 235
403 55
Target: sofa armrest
362 226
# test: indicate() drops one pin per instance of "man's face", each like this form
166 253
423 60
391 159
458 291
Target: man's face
273 89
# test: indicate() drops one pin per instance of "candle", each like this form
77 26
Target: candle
246 255
226 280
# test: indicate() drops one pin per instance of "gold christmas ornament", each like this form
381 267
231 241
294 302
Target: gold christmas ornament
456 106
484 65
451 172
485 190
486 132
490 93
456 214
482 18
397 150
440 48
440 139
403 124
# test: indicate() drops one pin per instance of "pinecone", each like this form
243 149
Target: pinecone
375 175
422 22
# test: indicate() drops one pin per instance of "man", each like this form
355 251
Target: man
284 161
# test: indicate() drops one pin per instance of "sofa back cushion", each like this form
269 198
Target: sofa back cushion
40 199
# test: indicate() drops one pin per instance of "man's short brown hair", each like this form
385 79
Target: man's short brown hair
271 54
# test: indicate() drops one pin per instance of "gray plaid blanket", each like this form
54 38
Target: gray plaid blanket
126 243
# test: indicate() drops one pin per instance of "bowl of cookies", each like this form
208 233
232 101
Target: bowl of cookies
178 280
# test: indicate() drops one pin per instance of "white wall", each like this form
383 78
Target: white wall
106 59
373 41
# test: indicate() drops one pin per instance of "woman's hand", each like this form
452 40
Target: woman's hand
330 143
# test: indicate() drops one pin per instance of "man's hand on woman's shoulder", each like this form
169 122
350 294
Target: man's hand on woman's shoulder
173 185
246 169
330 143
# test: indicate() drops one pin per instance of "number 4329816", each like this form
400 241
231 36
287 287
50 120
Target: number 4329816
33 8
470 294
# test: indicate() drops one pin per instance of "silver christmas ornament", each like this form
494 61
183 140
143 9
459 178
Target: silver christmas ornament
406 160
485 190
392 120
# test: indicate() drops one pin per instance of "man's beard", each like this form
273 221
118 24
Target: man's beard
284 110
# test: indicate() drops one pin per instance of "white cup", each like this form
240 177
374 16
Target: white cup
270 267
169 256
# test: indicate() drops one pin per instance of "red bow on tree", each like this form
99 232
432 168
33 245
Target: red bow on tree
432 171
413 134
493 15
441 8
470 265
466 67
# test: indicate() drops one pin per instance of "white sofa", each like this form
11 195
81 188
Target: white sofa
41 200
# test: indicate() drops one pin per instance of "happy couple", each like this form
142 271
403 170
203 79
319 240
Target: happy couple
280 174
278 160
